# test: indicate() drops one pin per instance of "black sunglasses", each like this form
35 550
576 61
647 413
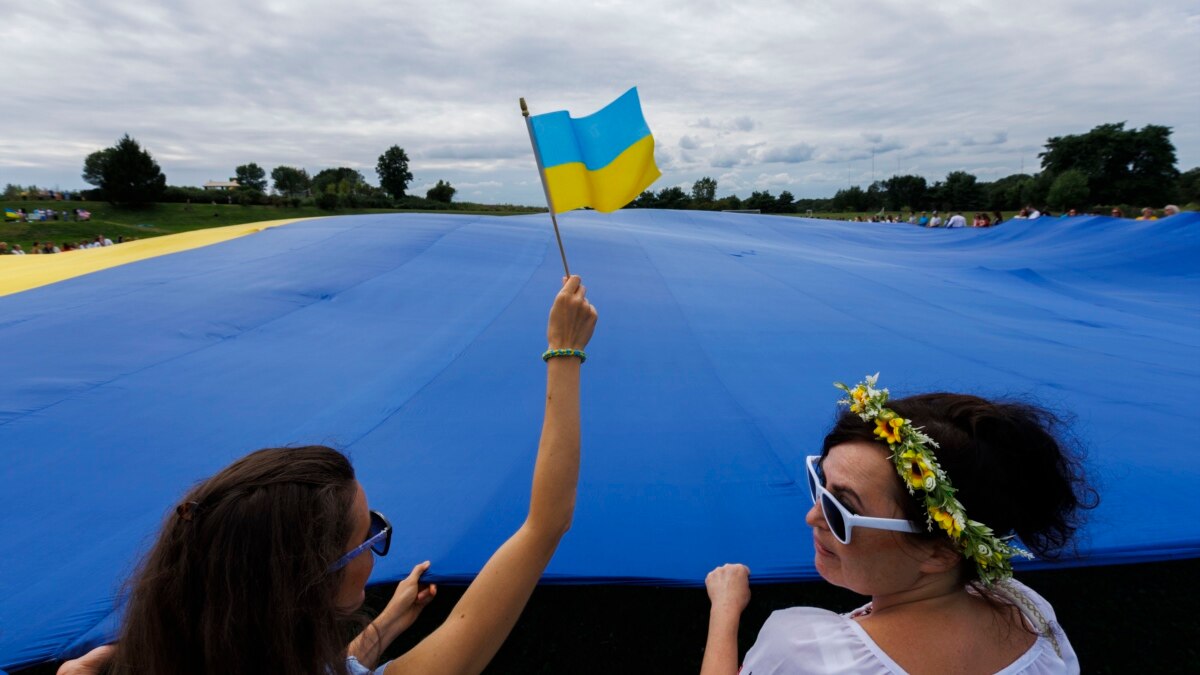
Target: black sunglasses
379 540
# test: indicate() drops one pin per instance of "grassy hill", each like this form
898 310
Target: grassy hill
161 219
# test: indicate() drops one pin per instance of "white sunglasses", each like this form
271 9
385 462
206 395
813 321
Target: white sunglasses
840 520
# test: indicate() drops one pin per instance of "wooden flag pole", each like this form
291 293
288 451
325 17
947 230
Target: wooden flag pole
545 188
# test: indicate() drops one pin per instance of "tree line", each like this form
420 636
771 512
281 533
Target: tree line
127 175
1107 166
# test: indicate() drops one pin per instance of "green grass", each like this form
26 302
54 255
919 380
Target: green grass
160 219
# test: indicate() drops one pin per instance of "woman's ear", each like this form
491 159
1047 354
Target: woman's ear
941 557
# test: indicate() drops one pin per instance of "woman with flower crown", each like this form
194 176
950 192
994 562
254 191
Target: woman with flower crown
916 503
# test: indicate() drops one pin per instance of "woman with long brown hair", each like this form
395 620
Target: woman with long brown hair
260 568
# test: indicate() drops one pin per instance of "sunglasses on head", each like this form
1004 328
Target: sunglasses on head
379 540
839 518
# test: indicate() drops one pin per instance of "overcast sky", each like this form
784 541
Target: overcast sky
758 94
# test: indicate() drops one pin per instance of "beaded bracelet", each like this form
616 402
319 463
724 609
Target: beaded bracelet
551 353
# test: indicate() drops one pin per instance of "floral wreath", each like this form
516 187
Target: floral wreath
919 470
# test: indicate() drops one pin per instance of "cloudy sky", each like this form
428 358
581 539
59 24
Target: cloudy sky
802 96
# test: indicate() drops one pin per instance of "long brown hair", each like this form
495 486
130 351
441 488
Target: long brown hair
238 579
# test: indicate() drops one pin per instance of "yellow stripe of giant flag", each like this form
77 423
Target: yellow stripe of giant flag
23 272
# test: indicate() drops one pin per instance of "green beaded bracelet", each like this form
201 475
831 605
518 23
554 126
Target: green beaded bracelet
551 353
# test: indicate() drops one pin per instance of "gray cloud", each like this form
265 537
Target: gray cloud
482 149
727 125
665 159
742 123
836 155
731 156
879 144
995 138
208 85
791 154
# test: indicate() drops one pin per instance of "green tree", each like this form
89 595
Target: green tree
814 205
961 192
1189 186
341 181
93 166
730 203
1122 166
1010 192
290 181
646 200
672 198
763 201
852 198
127 174
876 196
786 203
1069 190
906 191
442 192
327 200
704 191
393 171
251 177
1039 188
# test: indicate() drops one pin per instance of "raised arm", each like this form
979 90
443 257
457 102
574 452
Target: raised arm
729 592
485 614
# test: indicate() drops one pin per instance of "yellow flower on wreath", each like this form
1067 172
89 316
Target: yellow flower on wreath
859 399
889 429
946 521
917 471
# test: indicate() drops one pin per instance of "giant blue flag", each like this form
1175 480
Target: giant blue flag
412 342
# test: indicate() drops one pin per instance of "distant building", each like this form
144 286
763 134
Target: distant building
221 185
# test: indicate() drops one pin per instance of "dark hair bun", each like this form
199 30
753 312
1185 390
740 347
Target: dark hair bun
1011 463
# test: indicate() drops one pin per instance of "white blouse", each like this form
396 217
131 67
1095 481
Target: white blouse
811 640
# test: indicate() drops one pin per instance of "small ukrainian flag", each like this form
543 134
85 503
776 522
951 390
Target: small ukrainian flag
604 160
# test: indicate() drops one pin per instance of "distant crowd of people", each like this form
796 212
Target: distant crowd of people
43 215
1148 213
983 219
43 247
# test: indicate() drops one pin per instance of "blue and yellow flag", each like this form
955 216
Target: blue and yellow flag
603 160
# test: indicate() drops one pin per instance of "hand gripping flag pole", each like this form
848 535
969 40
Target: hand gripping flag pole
537 155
